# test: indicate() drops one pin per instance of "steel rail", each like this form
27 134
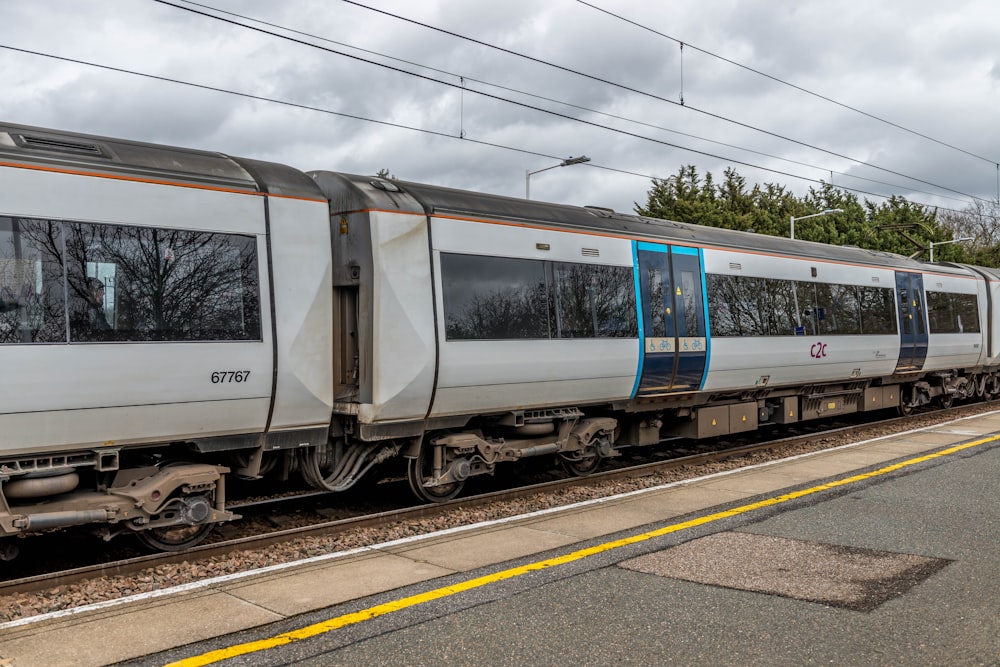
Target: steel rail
134 565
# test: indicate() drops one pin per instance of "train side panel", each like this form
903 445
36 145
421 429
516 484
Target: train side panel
300 242
403 350
497 353
743 363
126 387
807 343
956 320
990 309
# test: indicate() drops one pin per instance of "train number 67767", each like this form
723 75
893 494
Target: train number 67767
220 377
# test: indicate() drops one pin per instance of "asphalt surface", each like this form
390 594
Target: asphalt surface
899 569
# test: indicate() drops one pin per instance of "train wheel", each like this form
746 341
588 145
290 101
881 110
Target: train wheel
421 469
580 467
905 409
586 461
990 389
174 538
8 550
947 400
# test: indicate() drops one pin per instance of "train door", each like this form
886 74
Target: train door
912 322
675 347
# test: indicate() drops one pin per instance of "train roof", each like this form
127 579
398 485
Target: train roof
24 145
356 192
29 146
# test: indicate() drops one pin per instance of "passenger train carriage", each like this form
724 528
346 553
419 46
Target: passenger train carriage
170 317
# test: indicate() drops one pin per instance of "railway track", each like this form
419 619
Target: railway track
133 565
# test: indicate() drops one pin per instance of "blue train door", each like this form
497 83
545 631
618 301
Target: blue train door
675 347
912 322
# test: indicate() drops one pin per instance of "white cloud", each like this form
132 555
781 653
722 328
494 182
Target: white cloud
929 66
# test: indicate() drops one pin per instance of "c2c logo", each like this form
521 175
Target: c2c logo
818 350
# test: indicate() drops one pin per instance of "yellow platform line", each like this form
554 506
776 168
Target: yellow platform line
446 591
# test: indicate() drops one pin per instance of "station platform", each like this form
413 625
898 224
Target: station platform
880 552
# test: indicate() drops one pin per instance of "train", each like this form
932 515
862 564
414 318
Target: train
172 318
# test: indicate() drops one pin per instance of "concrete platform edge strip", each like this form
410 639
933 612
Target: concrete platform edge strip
429 596
236 576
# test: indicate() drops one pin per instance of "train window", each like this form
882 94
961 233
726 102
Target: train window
689 296
940 314
591 301
656 327
779 308
148 284
491 298
918 311
952 313
810 313
845 309
966 313
878 309
905 310
746 306
737 306
70 281
499 298
720 313
32 299
572 306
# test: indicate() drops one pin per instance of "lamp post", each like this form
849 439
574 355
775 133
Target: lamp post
932 243
565 163
814 215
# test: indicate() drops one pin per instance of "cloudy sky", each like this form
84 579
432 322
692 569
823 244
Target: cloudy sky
929 66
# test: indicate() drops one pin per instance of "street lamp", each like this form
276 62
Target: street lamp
932 243
814 215
565 163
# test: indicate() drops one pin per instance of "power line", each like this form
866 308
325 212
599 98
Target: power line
435 133
484 94
461 77
261 98
788 83
632 90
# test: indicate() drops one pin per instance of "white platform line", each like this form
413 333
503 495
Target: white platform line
236 576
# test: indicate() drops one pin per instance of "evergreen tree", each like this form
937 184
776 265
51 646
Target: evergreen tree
894 225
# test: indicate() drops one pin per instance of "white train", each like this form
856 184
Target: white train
169 317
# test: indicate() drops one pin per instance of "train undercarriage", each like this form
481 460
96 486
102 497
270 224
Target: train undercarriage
171 504
169 507
440 463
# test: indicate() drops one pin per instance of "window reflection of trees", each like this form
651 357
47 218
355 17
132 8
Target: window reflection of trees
812 311
966 313
878 310
657 325
494 297
690 305
738 306
952 313
159 284
504 313
593 301
501 298
749 306
845 308
32 308
169 284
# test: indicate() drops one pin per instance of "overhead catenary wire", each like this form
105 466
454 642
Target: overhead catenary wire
463 79
445 135
789 84
489 95
636 91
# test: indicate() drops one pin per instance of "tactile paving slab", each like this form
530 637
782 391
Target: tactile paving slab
829 574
